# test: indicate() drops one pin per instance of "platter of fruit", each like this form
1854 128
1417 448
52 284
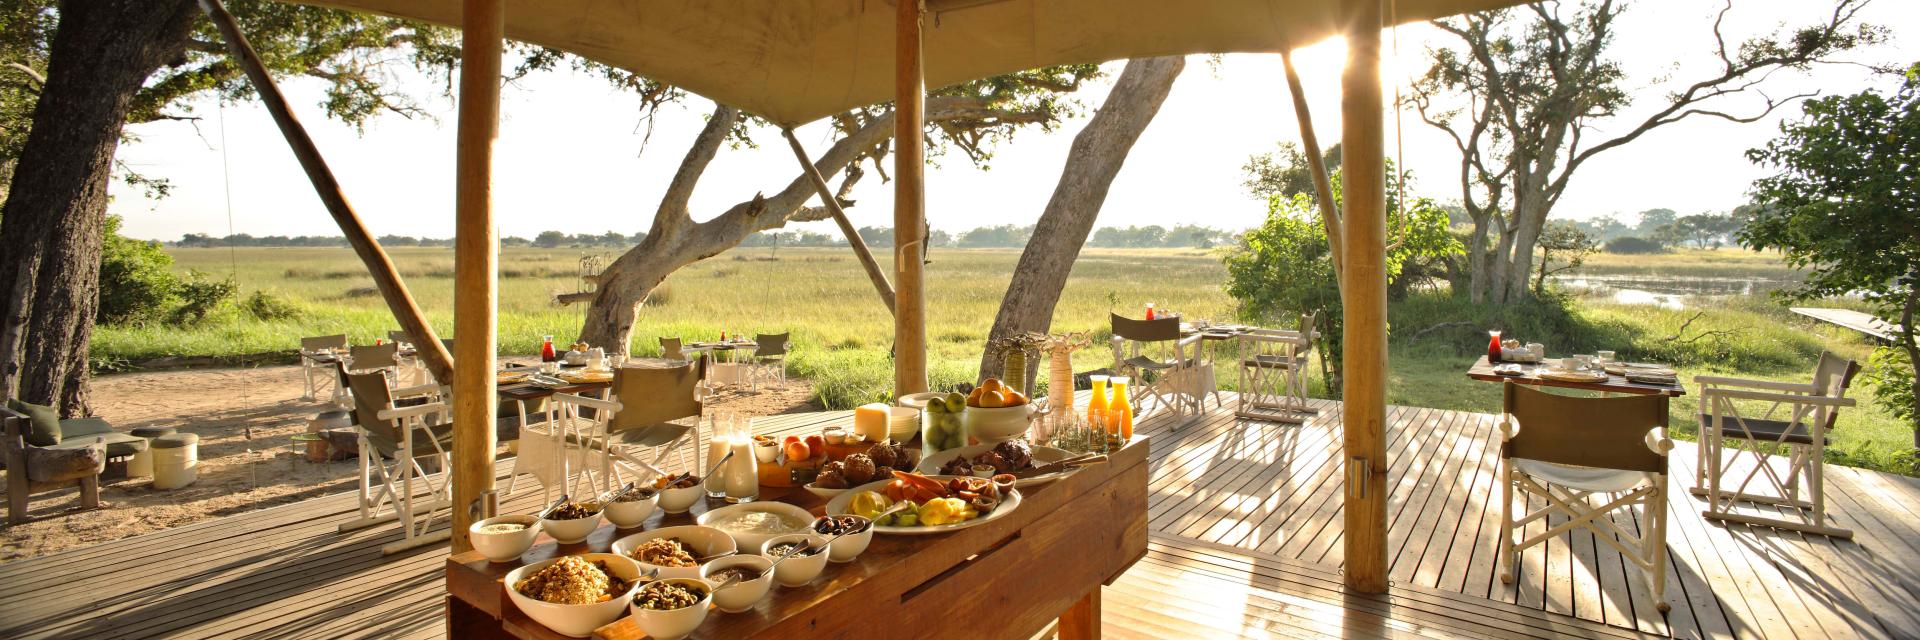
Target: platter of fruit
1012 456
928 504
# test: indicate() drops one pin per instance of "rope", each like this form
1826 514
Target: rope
1399 145
226 184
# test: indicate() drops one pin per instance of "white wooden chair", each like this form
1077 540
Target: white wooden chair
1273 382
1734 443
1141 347
318 355
406 435
769 358
1571 451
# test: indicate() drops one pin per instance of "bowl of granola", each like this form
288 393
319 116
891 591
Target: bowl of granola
573 595
676 551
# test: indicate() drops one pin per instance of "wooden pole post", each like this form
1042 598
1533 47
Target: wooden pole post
909 204
867 262
476 250
1363 174
385 277
1322 187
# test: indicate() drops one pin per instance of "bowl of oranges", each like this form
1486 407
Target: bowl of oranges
996 413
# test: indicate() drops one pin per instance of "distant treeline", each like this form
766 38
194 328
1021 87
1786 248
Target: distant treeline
1002 236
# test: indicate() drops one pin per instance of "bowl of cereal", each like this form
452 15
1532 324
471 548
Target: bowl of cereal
755 580
808 557
671 608
504 538
679 495
573 595
675 551
571 522
631 508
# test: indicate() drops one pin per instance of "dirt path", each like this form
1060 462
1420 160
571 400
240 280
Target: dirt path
245 419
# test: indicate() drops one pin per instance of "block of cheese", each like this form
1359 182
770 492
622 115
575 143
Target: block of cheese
870 421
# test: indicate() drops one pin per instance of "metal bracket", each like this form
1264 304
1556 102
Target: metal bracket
1358 474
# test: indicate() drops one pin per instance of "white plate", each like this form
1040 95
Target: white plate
838 506
1041 455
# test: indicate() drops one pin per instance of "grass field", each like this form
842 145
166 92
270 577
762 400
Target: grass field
842 334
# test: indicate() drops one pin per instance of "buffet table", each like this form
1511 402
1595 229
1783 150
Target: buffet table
1008 578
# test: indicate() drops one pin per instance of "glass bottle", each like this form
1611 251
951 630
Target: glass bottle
1493 346
1149 311
547 353
1121 409
1097 406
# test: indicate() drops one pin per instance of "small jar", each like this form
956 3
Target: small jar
983 471
834 435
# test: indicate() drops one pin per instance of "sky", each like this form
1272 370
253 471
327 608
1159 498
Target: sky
574 155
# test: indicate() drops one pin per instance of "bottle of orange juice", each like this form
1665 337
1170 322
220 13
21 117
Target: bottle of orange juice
1097 407
1121 409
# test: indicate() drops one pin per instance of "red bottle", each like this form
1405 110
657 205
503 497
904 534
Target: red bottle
1493 346
547 353
1149 311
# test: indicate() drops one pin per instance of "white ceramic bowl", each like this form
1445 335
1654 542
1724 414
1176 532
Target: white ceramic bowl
998 424
680 500
571 531
577 620
700 541
823 491
740 596
798 570
746 540
504 547
677 623
903 423
627 515
766 453
850 546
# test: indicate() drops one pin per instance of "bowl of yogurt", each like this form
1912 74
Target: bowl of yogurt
753 523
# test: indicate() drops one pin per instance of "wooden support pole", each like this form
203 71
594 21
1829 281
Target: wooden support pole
1322 187
909 204
476 250
1364 186
867 262
385 277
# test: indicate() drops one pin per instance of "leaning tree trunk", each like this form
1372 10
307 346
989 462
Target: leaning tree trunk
52 222
1094 160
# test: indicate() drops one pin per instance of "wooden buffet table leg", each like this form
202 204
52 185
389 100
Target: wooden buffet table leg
1082 620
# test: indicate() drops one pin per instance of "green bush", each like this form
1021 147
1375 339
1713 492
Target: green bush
200 295
1633 245
265 305
1891 378
136 278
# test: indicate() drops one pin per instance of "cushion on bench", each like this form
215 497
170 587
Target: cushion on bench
119 445
43 423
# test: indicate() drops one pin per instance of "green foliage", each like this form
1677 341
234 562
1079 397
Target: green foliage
200 296
136 278
266 305
1633 245
26 29
1890 376
1285 172
1284 267
1563 247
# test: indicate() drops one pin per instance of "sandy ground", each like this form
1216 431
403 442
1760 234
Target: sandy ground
245 419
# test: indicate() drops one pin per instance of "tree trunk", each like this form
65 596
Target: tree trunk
1477 258
1095 159
51 224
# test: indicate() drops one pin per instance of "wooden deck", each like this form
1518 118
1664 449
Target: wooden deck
1246 544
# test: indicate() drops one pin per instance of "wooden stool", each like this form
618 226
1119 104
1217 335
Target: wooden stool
321 422
176 460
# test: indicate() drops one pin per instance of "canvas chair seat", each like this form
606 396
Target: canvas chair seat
1150 364
1592 479
1271 362
1762 429
442 435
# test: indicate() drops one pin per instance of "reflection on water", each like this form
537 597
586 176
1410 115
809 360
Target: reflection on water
1665 291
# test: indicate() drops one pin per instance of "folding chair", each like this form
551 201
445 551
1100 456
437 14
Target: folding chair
659 408
670 349
769 357
411 368
319 354
404 434
1803 434
1273 362
1141 347
1565 450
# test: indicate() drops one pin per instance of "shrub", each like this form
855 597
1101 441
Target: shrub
1633 245
200 295
1891 378
264 305
136 280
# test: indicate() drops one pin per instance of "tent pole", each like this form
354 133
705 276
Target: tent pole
874 273
476 250
909 204
1363 175
385 277
1322 187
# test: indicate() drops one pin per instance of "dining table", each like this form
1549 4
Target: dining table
1530 374
1012 576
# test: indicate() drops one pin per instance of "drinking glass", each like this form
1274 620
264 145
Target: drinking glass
1606 357
718 444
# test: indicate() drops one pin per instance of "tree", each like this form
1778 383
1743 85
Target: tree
1285 266
1284 173
113 62
970 117
1842 204
549 239
1563 242
877 236
1093 161
1527 86
1653 220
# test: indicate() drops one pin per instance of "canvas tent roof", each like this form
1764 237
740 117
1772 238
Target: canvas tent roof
793 61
